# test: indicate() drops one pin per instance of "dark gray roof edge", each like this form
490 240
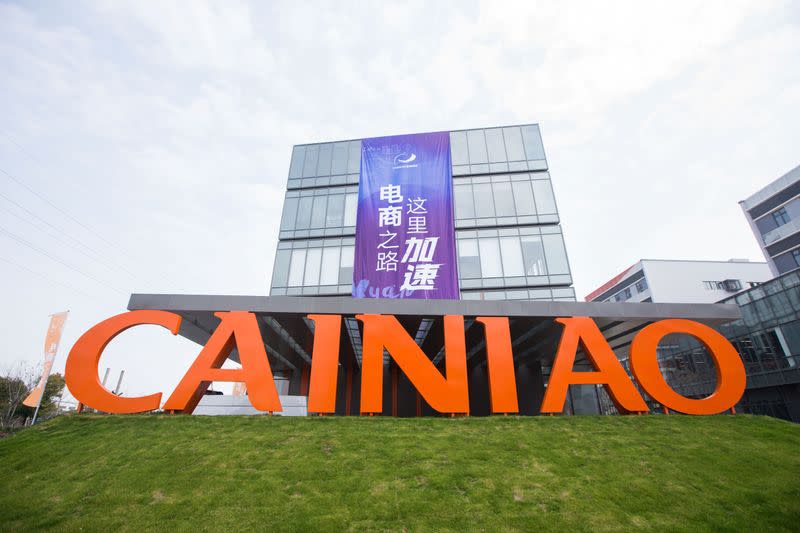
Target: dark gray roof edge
719 313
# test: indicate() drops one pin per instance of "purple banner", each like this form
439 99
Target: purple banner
405 236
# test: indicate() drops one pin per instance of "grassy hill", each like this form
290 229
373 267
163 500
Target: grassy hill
185 473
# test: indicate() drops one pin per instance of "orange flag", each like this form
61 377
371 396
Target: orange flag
50 348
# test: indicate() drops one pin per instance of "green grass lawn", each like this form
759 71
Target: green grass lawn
188 473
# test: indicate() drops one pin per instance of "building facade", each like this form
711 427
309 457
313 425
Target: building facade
509 240
671 281
774 216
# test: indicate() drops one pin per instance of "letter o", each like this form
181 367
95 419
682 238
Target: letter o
731 377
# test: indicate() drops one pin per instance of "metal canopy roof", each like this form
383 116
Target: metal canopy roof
288 335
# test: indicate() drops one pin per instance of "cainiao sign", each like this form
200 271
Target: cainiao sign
405 240
444 389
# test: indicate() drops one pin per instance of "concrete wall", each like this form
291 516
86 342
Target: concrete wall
239 405
682 281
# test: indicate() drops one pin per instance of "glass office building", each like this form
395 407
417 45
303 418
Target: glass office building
508 234
774 216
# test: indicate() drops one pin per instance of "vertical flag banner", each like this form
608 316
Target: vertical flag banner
405 234
51 341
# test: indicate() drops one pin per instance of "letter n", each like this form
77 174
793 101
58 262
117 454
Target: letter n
608 370
446 395
237 329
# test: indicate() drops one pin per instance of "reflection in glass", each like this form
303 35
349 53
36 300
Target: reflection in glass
490 258
556 255
335 214
533 142
494 143
318 212
350 209
281 271
463 197
523 198
310 165
514 149
296 167
458 148
543 192
503 199
533 255
477 146
346 264
312 267
512 256
289 213
304 212
324 163
354 157
296 268
484 205
330 266
469 262
339 165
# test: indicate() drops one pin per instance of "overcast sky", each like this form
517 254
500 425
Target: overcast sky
144 146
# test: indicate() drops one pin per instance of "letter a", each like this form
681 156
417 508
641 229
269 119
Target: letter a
609 371
237 329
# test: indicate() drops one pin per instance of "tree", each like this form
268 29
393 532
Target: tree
15 385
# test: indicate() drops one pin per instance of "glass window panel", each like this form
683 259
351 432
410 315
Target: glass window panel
280 273
458 148
335 214
346 264
310 165
490 258
324 163
354 158
533 142
556 254
304 213
514 149
503 199
523 198
533 255
469 262
318 212
464 206
329 274
477 146
312 267
494 143
289 213
350 209
512 256
296 268
296 167
339 165
484 204
543 193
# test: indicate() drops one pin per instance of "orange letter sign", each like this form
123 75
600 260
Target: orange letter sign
81 370
609 371
448 395
324 363
500 365
238 329
731 378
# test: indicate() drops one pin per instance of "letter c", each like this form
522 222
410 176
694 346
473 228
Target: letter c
81 374
731 377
